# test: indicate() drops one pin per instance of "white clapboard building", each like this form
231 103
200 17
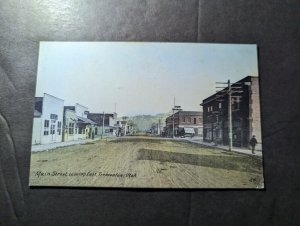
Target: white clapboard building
76 124
48 120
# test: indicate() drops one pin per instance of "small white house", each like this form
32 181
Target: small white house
47 121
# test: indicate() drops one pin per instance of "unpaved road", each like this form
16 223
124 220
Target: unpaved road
147 162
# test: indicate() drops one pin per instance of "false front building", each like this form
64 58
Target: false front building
245 108
185 122
47 121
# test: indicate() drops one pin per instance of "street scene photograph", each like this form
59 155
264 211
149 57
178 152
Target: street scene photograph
147 115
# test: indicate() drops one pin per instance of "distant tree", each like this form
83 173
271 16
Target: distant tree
144 122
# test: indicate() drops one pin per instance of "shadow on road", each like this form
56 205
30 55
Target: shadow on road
228 162
137 139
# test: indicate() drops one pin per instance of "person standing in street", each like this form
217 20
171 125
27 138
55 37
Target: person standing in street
253 143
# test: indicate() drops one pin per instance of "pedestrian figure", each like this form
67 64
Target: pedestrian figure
253 143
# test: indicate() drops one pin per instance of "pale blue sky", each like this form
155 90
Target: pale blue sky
141 77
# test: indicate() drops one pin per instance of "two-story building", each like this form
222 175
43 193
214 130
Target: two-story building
246 120
48 120
185 122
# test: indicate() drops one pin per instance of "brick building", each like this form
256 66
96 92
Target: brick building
185 122
246 119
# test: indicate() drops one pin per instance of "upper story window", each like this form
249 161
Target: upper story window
220 105
189 119
195 121
183 119
59 127
236 103
52 129
46 127
71 128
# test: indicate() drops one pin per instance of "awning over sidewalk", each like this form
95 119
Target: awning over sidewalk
87 121
189 130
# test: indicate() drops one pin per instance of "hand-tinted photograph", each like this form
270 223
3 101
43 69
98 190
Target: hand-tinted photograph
147 115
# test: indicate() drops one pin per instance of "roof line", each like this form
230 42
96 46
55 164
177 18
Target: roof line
81 105
211 96
54 97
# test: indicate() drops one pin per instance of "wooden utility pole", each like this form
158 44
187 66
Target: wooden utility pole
103 117
229 90
175 108
229 117
173 119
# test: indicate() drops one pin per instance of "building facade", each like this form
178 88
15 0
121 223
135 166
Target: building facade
185 122
48 120
108 128
76 124
246 120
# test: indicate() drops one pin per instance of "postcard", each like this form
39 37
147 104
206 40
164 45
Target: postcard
147 115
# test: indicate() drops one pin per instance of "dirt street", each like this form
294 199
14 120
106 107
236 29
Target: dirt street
147 162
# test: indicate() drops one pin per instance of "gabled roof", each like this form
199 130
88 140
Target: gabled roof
49 95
